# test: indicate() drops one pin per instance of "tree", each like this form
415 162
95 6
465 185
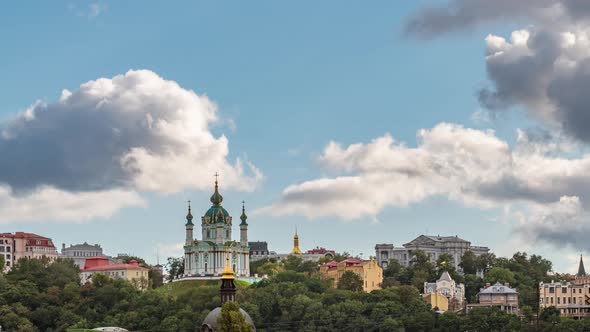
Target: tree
499 274
350 281
486 261
232 320
469 263
445 262
393 269
175 267
2 263
550 315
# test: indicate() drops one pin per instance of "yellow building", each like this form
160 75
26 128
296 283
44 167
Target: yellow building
571 298
369 271
135 274
437 300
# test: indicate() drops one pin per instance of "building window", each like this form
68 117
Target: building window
551 290
7 249
558 300
563 290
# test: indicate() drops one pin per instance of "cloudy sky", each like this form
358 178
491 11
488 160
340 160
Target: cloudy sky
358 124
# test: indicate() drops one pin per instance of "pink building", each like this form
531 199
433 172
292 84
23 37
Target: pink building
20 244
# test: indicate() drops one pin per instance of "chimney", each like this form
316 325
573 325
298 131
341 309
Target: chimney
488 284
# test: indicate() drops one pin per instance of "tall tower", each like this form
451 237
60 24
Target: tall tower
228 287
189 226
243 227
296 250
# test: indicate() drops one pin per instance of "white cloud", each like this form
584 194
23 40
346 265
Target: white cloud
130 133
51 204
471 166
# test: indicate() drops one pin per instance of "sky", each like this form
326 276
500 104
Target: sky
355 123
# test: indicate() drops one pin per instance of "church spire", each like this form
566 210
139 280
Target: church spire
228 286
243 217
581 270
189 215
216 198
296 250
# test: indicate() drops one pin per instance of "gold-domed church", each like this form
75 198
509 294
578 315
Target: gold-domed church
207 257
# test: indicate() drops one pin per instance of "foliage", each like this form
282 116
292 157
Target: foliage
40 295
350 281
175 267
231 319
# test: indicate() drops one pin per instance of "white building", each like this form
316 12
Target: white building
80 252
433 246
206 257
446 286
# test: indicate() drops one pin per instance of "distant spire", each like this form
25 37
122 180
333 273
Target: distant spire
243 217
581 270
296 250
189 215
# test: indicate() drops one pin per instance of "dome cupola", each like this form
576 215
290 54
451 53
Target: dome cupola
243 217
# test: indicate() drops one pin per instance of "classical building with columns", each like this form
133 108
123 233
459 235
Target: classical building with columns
207 257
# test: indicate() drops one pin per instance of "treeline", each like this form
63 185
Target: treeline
38 295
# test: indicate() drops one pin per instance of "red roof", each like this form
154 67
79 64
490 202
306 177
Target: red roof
105 267
321 250
348 262
102 264
23 235
29 237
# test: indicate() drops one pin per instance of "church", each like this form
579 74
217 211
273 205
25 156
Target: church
207 257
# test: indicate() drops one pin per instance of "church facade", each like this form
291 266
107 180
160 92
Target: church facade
207 257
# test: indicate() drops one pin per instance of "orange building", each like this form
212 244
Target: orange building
369 271
132 272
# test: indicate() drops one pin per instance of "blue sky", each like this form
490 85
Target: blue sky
288 78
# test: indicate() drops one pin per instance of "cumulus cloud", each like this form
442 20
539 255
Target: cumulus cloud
563 223
49 203
470 166
544 67
133 132
455 15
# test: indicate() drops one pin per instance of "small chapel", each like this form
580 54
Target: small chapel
207 257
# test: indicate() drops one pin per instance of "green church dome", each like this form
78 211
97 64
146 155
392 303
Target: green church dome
216 213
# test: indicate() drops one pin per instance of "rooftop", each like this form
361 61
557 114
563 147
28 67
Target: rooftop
498 288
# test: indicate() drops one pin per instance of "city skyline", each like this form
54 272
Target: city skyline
356 124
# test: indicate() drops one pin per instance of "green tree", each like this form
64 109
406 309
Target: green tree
393 269
2 263
232 320
469 263
175 267
486 261
350 281
501 275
